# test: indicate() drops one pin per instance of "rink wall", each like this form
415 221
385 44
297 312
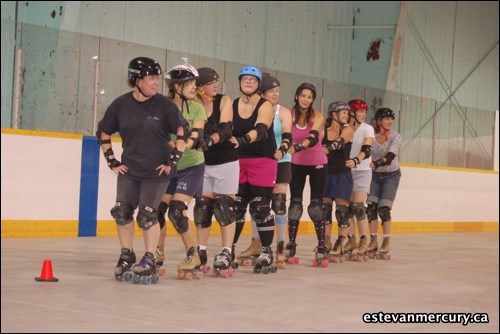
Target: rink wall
58 185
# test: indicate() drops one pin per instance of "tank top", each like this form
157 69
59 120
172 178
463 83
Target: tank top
311 156
219 153
260 149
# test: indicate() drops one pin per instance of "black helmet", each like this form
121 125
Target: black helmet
268 82
141 67
305 85
384 112
206 75
180 74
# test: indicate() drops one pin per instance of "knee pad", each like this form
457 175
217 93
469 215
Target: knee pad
315 210
177 216
371 211
342 215
385 213
295 210
122 213
203 211
351 212
327 213
240 208
260 209
147 217
359 210
224 210
162 210
278 204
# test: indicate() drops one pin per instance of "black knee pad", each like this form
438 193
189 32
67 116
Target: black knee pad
315 210
351 211
359 210
260 209
203 211
385 213
295 210
147 217
278 204
123 213
342 215
240 208
178 217
327 213
224 210
371 211
162 210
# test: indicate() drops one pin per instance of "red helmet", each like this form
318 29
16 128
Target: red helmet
357 104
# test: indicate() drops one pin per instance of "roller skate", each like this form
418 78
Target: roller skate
189 268
371 251
222 265
359 254
383 252
280 255
350 245
160 257
202 253
321 257
249 255
337 253
234 264
290 249
123 269
264 263
145 271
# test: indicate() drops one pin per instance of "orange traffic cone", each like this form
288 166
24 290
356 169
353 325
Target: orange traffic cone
46 275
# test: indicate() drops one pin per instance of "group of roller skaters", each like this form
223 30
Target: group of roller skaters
234 156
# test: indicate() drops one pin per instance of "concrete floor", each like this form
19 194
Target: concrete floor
444 273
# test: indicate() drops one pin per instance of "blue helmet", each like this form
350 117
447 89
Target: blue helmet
250 70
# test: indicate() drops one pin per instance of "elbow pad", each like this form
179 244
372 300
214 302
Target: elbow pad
313 137
367 150
225 131
100 141
261 129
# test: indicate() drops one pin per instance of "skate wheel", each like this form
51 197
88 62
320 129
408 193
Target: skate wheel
265 270
198 275
273 269
145 280
224 273
188 276
296 259
155 279
315 263
235 265
128 276
324 263
181 275
136 279
257 270
162 272
387 256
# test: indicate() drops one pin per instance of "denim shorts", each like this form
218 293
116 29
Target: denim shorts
384 187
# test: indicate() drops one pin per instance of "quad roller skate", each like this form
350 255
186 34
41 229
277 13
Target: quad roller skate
359 254
372 249
202 253
337 253
249 255
190 267
222 265
264 263
280 255
321 257
350 245
160 258
383 252
290 249
145 271
123 269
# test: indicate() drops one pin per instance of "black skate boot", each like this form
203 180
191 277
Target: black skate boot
234 264
202 253
123 267
321 257
264 263
290 250
222 264
280 255
145 271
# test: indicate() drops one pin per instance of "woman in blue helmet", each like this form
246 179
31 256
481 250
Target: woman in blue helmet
253 136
